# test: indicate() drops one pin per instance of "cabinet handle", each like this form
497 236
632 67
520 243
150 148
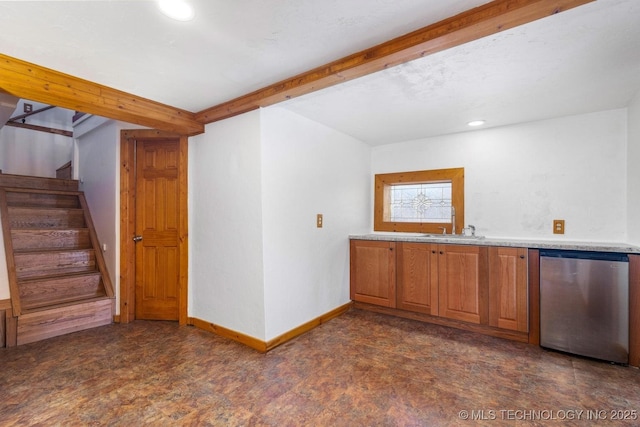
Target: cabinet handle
521 256
433 252
441 253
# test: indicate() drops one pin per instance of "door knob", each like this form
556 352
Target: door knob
137 238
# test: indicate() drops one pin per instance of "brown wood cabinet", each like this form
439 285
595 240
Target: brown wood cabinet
417 277
462 283
508 288
471 287
489 290
373 272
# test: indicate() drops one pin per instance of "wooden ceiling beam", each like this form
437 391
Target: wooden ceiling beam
39 84
491 18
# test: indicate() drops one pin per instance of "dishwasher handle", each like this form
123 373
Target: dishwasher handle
603 256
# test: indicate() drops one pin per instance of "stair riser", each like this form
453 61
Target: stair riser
59 321
36 183
50 239
35 294
45 218
54 263
42 200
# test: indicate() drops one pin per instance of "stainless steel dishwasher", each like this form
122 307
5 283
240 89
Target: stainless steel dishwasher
584 303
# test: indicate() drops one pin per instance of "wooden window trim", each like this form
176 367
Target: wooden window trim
384 181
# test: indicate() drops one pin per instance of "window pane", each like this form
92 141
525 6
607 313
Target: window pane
429 202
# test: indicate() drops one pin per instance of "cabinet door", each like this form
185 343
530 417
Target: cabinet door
373 272
508 288
417 277
463 287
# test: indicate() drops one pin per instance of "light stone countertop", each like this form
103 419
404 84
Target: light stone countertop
490 241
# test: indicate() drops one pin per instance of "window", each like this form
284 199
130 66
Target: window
424 202
420 201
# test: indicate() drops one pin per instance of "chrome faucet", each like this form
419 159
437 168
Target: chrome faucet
453 220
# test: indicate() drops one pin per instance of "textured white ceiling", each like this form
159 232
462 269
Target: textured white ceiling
586 59
231 48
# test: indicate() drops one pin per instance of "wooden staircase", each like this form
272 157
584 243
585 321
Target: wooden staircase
57 275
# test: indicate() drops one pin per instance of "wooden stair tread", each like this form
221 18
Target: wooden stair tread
50 250
61 272
60 228
42 200
59 276
15 210
64 304
9 189
41 206
32 183
45 229
42 211
30 218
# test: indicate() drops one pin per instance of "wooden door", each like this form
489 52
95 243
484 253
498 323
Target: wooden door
373 272
417 265
462 274
157 267
508 288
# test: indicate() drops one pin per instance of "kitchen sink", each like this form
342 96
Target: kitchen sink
452 236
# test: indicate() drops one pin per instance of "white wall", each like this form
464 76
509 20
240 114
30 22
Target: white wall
259 265
98 172
225 230
27 152
633 171
519 178
307 169
34 153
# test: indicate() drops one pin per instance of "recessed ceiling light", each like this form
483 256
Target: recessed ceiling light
179 10
476 123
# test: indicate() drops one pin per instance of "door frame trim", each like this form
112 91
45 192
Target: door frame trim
128 221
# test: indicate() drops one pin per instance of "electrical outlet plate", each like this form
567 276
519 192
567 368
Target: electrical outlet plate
558 226
319 221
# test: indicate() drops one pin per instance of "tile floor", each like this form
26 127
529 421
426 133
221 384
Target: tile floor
360 369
